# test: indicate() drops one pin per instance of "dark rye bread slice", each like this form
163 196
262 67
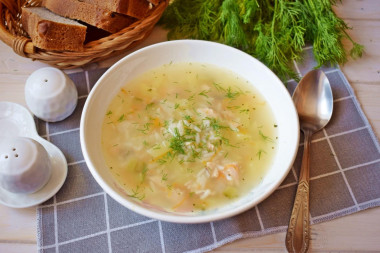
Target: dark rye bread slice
52 32
134 8
89 13
155 2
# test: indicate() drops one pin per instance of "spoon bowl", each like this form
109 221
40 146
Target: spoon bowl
314 103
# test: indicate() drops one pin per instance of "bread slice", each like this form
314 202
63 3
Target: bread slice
154 2
52 32
134 8
91 14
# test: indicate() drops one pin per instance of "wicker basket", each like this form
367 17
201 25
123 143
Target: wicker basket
12 34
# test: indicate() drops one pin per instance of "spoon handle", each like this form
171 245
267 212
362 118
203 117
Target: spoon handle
297 237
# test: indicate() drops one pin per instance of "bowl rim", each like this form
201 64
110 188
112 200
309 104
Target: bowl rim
172 217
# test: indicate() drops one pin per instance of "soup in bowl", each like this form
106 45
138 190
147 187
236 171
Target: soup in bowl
189 131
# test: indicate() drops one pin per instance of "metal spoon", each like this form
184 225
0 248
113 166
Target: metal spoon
314 103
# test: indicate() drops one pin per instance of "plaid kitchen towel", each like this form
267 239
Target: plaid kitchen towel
344 179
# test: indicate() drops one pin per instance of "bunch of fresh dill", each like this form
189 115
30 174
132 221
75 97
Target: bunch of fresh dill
274 31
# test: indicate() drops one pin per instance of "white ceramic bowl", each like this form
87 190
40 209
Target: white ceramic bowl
156 55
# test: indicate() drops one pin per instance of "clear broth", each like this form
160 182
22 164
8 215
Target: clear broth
188 137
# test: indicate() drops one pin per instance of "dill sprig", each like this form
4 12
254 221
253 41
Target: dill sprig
121 118
136 193
215 124
274 31
264 137
232 94
177 142
260 153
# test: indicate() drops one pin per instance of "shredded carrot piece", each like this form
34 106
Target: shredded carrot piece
156 122
179 203
158 157
221 175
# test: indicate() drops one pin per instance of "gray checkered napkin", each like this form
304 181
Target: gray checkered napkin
345 171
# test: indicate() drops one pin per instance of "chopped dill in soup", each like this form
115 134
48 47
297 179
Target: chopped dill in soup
188 137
